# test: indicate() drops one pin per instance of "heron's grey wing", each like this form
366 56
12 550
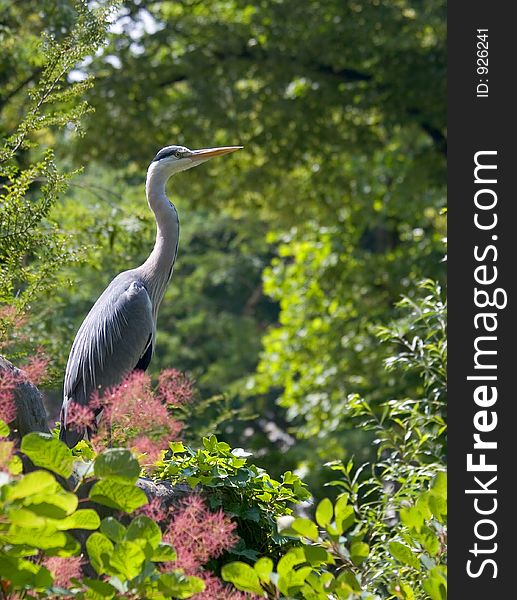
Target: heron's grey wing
115 338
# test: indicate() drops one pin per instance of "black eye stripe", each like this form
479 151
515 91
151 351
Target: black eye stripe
163 154
171 151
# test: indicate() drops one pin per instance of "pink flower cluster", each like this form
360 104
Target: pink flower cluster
174 388
11 320
134 415
154 509
8 382
198 535
80 417
35 370
64 569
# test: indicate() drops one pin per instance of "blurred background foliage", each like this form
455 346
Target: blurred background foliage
293 252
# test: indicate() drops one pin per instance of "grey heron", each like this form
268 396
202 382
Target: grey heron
118 334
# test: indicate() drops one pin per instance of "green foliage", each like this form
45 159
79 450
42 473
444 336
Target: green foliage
127 554
47 452
412 429
293 255
117 464
334 561
39 518
343 174
245 492
32 245
383 537
335 201
122 496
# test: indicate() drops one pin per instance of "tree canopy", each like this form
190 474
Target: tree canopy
285 305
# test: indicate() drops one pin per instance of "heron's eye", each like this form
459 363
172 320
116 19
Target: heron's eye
178 154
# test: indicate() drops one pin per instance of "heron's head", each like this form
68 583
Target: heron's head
173 159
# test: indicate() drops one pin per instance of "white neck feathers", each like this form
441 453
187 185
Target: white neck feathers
157 268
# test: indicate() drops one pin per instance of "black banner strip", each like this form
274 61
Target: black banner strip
482 266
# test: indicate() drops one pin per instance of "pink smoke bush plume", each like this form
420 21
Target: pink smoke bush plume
198 535
8 382
35 370
64 569
135 415
174 388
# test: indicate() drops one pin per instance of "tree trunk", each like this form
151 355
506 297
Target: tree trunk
31 415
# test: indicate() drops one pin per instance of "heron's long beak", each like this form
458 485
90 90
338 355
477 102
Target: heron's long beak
207 153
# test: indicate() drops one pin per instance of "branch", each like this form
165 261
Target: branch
253 300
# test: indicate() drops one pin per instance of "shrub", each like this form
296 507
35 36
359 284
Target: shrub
79 525
385 536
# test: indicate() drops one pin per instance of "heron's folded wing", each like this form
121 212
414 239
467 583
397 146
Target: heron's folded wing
112 340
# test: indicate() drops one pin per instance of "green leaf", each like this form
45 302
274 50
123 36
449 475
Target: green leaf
71 547
25 518
358 552
350 579
438 506
118 464
127 559
163 553
344 514
4 429
84 518
122 496
48 452
429 540
31 484
177 447
111 528
439 486
99 550
422 504
324 512
404 554
306 528
295 556
243 577
98 590
412 518
84 450
43 537
143 527
404 591
56 505
15 465
317 556
23 573
177 585
436 583
291 581
264 567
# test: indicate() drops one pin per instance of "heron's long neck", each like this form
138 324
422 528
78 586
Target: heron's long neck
157 269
